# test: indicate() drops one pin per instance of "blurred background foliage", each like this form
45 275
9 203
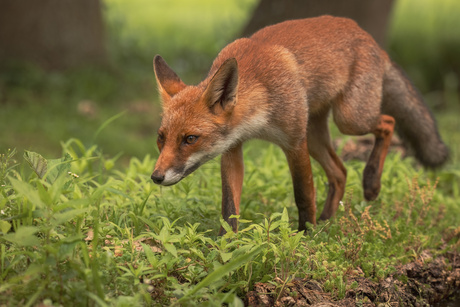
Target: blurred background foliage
39 107
424 38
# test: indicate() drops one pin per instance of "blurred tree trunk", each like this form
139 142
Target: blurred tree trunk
371 15
55 34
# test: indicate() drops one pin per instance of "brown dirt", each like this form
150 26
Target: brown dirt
424 282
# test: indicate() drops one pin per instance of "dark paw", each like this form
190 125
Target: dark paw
371 183
371 194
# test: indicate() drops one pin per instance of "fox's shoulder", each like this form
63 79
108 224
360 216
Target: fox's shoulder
241 49
257 60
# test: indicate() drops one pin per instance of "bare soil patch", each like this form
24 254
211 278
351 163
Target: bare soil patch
424 282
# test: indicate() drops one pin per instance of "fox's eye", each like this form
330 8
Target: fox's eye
191 139
161 138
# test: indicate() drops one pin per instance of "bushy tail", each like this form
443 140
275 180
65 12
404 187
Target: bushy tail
414 122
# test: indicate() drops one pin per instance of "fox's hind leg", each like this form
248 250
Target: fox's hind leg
357 112
374 167
320 147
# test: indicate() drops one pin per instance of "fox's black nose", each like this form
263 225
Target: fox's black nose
157 177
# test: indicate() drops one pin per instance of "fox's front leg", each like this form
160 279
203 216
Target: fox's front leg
232 171
302 179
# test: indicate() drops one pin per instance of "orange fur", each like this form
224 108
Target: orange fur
279 85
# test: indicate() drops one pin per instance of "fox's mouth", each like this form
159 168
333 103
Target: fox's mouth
167 184
171 177
175 174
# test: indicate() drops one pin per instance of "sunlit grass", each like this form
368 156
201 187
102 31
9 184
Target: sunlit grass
83 230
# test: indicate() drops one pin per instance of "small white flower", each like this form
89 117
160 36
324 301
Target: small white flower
72 174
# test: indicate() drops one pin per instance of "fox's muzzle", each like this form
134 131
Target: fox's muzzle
175 173
168 177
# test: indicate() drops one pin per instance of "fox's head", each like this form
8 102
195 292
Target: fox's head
195 121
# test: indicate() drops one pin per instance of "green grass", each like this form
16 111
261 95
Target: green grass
81 230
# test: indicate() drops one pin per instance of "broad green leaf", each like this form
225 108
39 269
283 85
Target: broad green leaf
150 255
44 195
24 236
28 191
171 248
275 215
247 228
68 245
225 225
58 167
73 203
4 226
275 225
285 217
66 216
147 222
34 269
57 189
294 240
38 164
243 221
226 256
223 270
198 252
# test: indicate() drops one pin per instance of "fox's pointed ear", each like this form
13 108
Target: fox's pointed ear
169 83
222 89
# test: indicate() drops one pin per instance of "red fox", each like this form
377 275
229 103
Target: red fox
280 85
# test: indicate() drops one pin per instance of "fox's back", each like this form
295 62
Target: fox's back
316 35
329 52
